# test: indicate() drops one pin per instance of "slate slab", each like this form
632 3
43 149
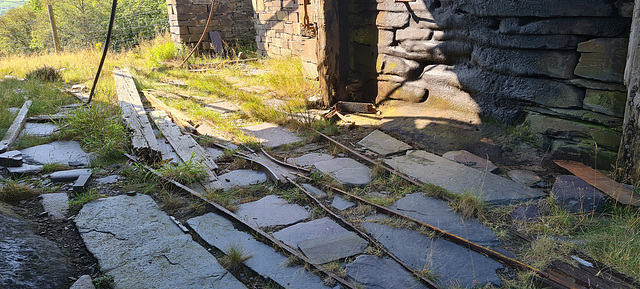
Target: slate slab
383 143
242 178
323 227
219 232
526 213
468 159
80 185
213 153
272 211
460 179
84 282
450 262
375 272
439 214
28 260
68 175
314 191
61 152
575 195
310 159
346 171
272 135
326 249
341 204
11 159
137 243
527 178
25 169
56 204
38 129
112 179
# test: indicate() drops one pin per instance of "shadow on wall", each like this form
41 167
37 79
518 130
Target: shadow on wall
556 63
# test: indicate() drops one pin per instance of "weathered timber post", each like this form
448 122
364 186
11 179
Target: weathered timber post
628 163
54 30
328 48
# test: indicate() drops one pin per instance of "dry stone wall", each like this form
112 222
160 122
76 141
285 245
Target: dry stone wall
232 18
558 64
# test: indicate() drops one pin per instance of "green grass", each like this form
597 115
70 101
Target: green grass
234 256
13 192
185 173
83 198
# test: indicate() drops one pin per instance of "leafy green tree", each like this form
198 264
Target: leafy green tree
16 26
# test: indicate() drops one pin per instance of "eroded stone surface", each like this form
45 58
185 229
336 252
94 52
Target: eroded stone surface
137 243
460 179
383 143
242 178
272 211
375 272
219 232
468 159
319 228
326 249
272 135
575 195
346 171
309 159
56 204
449 261
61 152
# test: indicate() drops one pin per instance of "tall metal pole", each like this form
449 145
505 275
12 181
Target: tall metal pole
54 30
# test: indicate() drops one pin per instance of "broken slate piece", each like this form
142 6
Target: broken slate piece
38 129
575 195
81 183
62 152
323 250
84 282
219 232
383 143
375 272
309 159
468 159
320 228
314 191
25 169
272 211
11 159
68 175
346 171
222 107
56 204
526 213
112 179
524 177
341 204
272 135
242 178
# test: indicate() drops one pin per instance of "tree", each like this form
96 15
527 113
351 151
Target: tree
16 26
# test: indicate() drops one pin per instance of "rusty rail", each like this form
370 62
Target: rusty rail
233 216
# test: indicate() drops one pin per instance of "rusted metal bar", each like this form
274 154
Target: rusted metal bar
277 161
246 224
371 240
558 283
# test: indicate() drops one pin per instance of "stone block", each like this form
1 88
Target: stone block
68 175
341 204
445 52
364 35
383 143
574 130
594 84
599 157
272 211
625 8
324 250
413 33
282 15
390 20
603 59
293 17
524 177
557 64
411 91
346 171
607 102
385 38
487 36
601 27
309 70
532 8
376 272
388 64
577 196
581 114
468 159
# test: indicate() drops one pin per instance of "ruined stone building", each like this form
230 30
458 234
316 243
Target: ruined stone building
556 65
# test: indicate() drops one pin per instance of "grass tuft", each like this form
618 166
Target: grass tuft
234 256
185 173
469 205
45 74
13 192
83 198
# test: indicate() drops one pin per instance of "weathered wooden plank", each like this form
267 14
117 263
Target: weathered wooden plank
15 128
143 139
178 117
185 146
359 107
628 162
48 117
615 190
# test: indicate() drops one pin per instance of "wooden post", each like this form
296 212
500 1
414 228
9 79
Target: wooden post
628 163
54 30
328 49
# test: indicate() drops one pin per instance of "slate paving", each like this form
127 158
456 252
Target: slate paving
272 211
383 143
309 159
68 175
25 169
62 152
468 159
341 204
375 272
527 178
575 195
139 245
460 179
272 135
314 191
449 262
346 171
220 233
241 178
439 214
38 129
56 204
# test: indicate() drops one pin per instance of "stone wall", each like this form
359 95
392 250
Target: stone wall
232 18
556 64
